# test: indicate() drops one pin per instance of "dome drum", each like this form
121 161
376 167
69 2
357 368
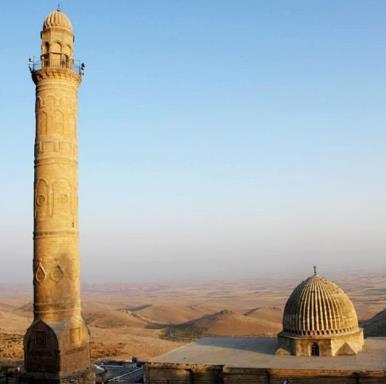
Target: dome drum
347 344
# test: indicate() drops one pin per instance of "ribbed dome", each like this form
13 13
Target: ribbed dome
57 19
318 306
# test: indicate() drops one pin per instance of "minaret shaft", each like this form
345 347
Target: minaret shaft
56 241
56 345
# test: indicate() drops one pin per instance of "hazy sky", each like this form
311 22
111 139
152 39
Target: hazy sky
217 138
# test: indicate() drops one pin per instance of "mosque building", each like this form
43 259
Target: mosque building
321 342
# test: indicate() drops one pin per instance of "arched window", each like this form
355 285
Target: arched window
58 127
57 47
67 50
42 123
315 350
65 62
45 59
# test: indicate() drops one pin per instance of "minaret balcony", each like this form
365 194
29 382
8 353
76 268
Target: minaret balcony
56 61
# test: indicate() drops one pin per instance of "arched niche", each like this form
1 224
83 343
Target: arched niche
62 197
58 126
41 198
42 123
56 47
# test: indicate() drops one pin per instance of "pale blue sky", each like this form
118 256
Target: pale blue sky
216 137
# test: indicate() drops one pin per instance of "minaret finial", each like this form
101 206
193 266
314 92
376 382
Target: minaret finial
315 270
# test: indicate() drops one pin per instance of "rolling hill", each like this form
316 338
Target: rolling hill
376 326
223 323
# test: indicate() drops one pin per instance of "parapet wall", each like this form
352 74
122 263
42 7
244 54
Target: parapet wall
166 373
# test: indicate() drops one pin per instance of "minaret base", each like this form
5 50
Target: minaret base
58 352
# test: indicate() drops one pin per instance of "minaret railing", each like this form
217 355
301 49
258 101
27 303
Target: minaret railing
56 60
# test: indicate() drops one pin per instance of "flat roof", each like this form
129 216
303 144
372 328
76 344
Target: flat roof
259 352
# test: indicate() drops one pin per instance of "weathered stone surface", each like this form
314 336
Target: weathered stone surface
56 346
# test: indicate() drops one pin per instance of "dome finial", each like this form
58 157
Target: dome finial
58 8
315 273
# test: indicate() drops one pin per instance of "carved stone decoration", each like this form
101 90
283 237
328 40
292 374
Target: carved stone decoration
39 103
42 123
40 273
61 190
57 274
42 199
50 101
58 126
72 126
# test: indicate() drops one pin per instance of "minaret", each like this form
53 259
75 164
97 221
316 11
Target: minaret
56 346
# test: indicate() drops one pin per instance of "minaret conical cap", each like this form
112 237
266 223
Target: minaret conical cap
57 19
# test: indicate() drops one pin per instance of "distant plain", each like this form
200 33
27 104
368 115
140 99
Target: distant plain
146 320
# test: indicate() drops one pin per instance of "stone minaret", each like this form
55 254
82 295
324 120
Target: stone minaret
56 346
